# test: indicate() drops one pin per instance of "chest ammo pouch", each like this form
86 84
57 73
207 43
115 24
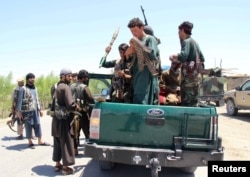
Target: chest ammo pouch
28 104
57 111
60 111
77 93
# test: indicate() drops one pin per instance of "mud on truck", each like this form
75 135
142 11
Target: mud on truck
153 136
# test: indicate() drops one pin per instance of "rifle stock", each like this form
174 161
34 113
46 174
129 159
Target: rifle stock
12 121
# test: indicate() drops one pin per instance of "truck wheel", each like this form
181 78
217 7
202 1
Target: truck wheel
105 165
188 169
231 109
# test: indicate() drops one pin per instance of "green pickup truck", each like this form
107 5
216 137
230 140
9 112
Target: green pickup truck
154 136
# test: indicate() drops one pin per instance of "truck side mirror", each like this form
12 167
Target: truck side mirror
238 88
105 92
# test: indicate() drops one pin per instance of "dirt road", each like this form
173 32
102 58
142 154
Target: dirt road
18 160
235 133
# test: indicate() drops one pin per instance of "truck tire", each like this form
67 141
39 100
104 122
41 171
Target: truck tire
231 109
188 169
219 143
105 165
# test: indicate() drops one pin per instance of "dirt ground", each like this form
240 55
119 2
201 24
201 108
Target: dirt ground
235 133
234 130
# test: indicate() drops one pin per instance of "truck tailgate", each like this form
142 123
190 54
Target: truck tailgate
150 125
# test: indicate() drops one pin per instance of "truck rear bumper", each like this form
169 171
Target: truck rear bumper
142 156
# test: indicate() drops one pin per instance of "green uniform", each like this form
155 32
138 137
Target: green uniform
145 84
190 76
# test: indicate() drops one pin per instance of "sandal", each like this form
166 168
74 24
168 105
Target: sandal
67 171
58 168
44 144
31 146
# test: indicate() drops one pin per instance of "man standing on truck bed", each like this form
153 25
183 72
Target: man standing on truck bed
144 49
121 89
192 60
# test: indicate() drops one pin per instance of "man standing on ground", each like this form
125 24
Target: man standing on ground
83 97
20 83
62 129
29 110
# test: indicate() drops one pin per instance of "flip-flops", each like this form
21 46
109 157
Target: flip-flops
44 144
58 168
31 146
67 171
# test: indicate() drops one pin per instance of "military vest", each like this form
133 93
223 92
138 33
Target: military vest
77 90
28 102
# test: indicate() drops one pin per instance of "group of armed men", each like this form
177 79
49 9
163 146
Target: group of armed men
138 76
138 79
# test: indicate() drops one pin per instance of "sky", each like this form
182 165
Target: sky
44 36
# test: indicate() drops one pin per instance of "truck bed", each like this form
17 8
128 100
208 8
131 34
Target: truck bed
154 125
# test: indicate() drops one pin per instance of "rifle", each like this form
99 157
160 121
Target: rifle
145 20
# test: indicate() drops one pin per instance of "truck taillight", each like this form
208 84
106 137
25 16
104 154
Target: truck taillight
214 127
215 120
95 124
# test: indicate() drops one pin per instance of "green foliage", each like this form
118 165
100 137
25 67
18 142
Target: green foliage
42 83
6 88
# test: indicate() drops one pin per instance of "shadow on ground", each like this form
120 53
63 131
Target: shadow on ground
48 170
243 116
122 170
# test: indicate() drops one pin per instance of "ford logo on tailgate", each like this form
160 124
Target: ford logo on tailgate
155 112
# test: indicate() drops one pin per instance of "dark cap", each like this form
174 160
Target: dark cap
187 26
123 47
65 71
82 74
148 30
29 76
74 74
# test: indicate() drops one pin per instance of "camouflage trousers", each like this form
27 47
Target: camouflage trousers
190 91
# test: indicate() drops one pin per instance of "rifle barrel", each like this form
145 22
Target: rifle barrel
146 23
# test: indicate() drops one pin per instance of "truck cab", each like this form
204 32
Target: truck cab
238 98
